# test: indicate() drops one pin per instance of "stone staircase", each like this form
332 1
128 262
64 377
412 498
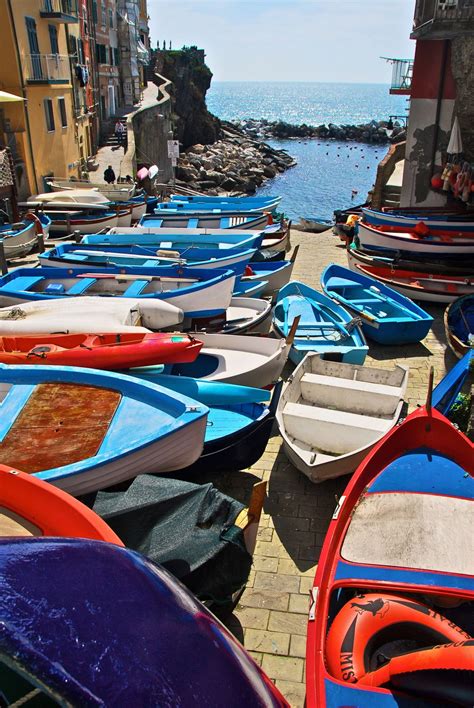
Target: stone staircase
108 137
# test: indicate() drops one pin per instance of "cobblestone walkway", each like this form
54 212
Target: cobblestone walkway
270 619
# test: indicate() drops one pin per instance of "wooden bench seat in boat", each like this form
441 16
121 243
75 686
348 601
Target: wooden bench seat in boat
371 398
22 283
59 424
135 288
337 432
81 286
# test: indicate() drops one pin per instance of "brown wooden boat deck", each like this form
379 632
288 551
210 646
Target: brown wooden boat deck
59 425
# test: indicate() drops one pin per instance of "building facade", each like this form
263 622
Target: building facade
110 95
134 55
442 86
40 131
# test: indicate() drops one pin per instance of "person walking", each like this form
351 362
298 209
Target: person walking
120 132
109 175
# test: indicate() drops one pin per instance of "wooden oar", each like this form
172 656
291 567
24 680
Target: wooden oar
119 276
292 333
132 256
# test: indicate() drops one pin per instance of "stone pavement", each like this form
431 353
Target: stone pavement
270 619
113 154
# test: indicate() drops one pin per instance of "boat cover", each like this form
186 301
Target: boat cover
187 528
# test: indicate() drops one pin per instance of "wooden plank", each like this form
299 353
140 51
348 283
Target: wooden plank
59 425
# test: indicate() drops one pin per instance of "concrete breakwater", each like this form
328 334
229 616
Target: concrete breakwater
375 132
235 163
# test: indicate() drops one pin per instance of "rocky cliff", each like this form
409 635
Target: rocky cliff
191 78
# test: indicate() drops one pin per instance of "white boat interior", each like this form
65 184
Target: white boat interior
330 411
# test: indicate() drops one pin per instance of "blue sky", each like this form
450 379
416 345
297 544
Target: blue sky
289 40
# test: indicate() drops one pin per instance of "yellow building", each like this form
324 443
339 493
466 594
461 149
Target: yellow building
35 64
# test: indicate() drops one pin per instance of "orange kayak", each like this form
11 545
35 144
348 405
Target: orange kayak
100 351
31 507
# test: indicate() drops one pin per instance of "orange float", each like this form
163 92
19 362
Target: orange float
367 622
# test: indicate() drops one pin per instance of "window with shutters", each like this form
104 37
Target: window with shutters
49 114
62 111
53 39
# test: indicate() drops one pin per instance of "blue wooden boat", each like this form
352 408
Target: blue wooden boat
249 288
264 202
324 327
100 257
391 617
119 630
459 324
239 422
206 208
19 239
177 239
196 291
276 273
446 392
201 220
388 317
85 429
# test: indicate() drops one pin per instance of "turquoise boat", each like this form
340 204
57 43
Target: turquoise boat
205 220
99 257
388 317
84 429
324 327
169 239
446 392
264 202
239 422
215 208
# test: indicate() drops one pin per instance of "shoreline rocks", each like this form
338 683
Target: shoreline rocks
375 132
235 163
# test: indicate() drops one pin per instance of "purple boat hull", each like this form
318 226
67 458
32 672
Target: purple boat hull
101 625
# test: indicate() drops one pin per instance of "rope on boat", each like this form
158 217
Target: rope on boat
16 313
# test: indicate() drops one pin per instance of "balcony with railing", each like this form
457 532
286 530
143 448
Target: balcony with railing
47 69
402 71
64 11
442 19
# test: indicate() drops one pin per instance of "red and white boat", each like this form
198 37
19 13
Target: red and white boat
416 284
391 616
432 245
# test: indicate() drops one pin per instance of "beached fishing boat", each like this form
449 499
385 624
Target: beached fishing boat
231 359
99 257
184 220
219 208
462 267
82 429
87 221
239 422
135 635
407 221
432 245
392 598
264 202
246 314
417 285
176 239
31 507
20 239
94 315
252 288
276 274
118 192
198 292
100 351
459 325
388 317
331 414
324 326
447 390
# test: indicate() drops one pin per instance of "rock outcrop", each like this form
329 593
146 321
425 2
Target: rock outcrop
191 78
233 164
378 132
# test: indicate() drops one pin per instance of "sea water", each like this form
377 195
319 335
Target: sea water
329 174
